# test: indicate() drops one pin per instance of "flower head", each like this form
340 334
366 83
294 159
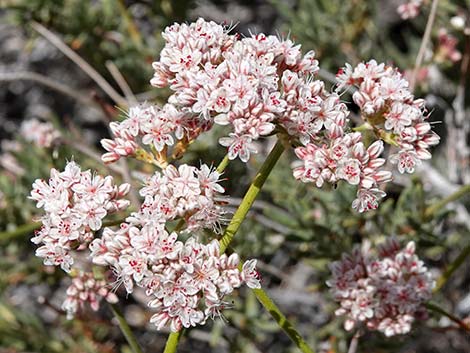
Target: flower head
384 293
75 203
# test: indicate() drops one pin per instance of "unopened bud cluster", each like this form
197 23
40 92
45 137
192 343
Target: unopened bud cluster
385 293
86 289
42 134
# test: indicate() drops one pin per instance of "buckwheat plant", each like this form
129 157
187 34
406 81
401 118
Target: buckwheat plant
257 86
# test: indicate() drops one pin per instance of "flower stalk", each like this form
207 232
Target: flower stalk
437 309
281 320
431 210
223 164
126 330
172 342
452 268
234 225
251 194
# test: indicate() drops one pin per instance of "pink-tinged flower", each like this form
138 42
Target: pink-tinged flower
137 116
396 119
42 134
55 255
157 133
345 77
93 187
406 160
218 101
85 289
183 60
123 144
185 183
384 293
410 9
447 49
209 180
133 265
250 275
238 146
350 170
367 199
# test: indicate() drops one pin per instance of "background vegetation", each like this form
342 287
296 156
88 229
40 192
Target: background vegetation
294 229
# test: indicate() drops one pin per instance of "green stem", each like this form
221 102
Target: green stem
282 321
232 228
250 196
280 318
436 308
126 330
223 164
431 210
452 268
172 341
20 231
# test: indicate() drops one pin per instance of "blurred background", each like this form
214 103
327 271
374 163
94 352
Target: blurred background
294 229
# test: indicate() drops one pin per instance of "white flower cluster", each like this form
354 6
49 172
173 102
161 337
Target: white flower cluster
251 84
185 193
384 293
385 100
260 85
346 158
151 125
42 134
186 281
75 203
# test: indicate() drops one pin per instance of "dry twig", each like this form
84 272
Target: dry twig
82 64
